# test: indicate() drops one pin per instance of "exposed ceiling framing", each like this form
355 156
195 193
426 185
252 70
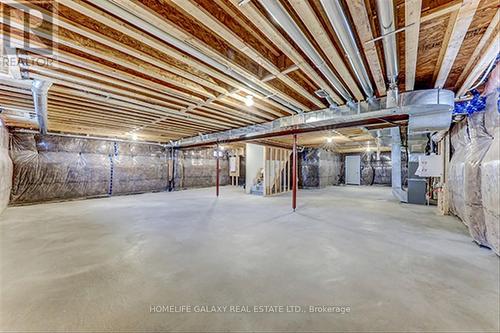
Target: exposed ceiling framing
120 68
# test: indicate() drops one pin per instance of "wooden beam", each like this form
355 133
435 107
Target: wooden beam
358 11
486 58
313 24
148 15
492 29
444 44
117 52
460 26
442 10
129 30
412 21
259 20
198 12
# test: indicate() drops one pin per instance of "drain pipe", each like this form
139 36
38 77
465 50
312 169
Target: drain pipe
40 90
280 15
385 9
119 8
338 20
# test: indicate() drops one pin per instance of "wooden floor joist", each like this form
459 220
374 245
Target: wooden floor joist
460 25
119 67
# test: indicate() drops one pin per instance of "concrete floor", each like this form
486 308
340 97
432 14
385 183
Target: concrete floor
101 264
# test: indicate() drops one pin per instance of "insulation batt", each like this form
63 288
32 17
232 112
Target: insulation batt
319 168
456 169
490 175
58 168
139 168
195 168
480 142
5 168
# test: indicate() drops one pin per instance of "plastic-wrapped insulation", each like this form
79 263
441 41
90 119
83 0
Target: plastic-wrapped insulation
459 140
490 174
5 168
480 142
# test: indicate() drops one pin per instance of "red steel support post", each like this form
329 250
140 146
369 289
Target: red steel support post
294 173
217 171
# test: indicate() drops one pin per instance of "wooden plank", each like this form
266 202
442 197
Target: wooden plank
148 14
358 11
412 21
252 13
66 36
313 24
486 58
439 11
200 14
492 29
460 26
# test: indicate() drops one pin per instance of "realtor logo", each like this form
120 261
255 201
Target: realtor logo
29 25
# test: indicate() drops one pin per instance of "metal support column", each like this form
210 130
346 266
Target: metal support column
294 173
217 171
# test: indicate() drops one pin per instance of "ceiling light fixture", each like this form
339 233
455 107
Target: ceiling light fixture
134 136
249 100
329 139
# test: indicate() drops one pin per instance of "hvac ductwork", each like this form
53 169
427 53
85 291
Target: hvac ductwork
120 9
385 9
437 102
40 90
338 20
280 15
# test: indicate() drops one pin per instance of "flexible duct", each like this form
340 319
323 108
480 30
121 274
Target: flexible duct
338 20
385 9
281 16
119 8
40 90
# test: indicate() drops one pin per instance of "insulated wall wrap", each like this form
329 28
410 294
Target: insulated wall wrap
5 168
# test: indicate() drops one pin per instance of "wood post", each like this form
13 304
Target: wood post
294 173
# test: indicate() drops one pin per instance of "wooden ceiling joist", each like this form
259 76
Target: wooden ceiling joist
412 21
253 14
485 60
358 10
166 70
148 16
313 24
459 26
232 38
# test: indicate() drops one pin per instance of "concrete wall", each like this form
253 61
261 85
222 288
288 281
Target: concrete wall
254 163
319 168
5 168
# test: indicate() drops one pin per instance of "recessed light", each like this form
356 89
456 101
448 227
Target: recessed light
249 100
